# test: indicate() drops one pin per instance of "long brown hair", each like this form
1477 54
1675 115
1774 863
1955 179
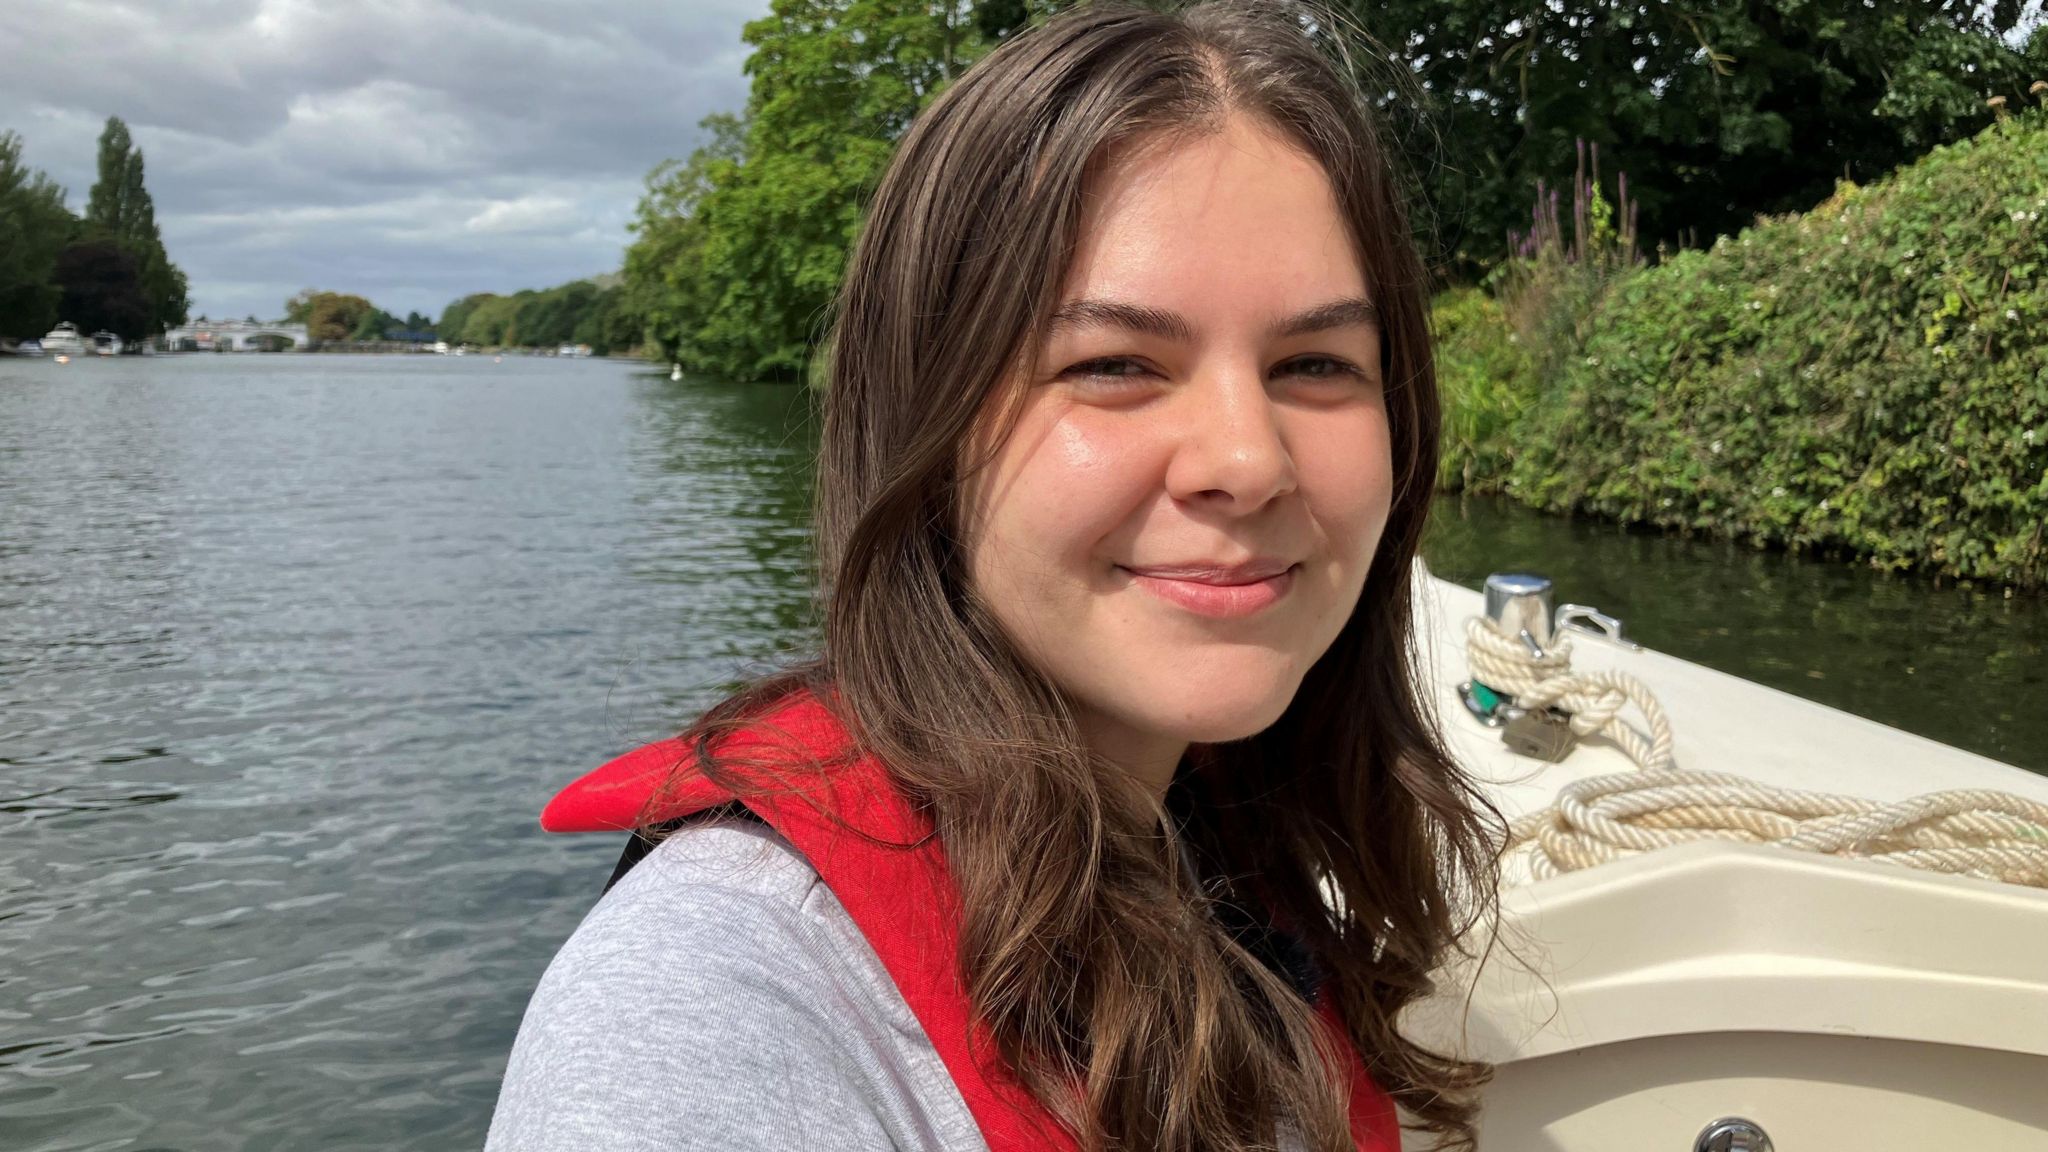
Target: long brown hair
1097 961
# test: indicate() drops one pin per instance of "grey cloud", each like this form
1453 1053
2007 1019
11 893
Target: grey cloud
408 151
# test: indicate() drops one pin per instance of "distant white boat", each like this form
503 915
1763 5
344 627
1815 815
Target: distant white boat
106 343
29 348
62 339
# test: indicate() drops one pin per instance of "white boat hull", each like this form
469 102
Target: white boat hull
1809 1093
1842 1005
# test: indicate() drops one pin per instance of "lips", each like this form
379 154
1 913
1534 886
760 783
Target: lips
1219 591
1215 572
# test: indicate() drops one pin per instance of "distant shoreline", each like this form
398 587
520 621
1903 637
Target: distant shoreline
9 349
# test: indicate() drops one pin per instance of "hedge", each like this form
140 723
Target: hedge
1869 378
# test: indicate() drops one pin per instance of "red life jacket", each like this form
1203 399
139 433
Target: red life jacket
878 856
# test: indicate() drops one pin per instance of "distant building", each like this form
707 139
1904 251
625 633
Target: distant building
237 336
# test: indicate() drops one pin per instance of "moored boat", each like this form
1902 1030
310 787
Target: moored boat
107 344
64 340
1729 950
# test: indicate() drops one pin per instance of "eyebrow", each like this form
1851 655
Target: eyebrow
1173 326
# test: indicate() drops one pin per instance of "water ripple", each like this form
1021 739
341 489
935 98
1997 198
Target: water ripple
292 649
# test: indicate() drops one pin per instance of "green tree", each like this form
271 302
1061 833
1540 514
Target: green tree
120 209
454 324
579 312
662 284
34 229
371 325
608 325
102 288
336 316
997 19
486 318
1718 110
494 322
740 249
548 317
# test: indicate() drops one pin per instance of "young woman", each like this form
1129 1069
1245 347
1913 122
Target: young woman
1108 817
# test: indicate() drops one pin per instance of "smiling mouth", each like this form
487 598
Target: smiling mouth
1219 594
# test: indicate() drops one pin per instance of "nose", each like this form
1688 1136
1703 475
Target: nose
1229 452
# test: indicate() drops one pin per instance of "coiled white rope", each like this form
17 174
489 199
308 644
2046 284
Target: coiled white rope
1595 699
1975 832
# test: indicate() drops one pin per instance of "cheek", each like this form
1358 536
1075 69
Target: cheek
1061 485
1347 473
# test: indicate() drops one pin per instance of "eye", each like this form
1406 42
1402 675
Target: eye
1320 368
1110 373
1125 374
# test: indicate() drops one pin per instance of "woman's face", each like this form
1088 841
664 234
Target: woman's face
1182 519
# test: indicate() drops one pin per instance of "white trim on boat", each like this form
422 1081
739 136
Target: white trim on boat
1838 1004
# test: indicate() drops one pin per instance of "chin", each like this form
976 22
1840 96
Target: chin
1223 720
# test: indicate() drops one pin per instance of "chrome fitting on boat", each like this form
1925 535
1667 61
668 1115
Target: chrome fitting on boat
1520 603
1592 621
1732 1134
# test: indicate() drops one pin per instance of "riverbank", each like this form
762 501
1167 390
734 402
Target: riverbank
388 348
1868 380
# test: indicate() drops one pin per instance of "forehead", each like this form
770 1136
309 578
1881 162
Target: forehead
1216 222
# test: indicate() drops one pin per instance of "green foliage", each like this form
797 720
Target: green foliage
665 284
1870 378
1493 351
34 228
372 325
102 289
118 203
455 317
579 312
1487 380
119 208
330 317
740 249
1723 109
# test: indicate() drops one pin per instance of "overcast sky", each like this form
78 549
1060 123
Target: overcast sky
410 151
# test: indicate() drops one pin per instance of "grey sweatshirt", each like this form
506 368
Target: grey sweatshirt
718 997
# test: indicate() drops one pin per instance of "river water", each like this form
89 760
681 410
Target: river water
293 648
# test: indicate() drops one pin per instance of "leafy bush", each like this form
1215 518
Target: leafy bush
1487 380
1494 351
1868 378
